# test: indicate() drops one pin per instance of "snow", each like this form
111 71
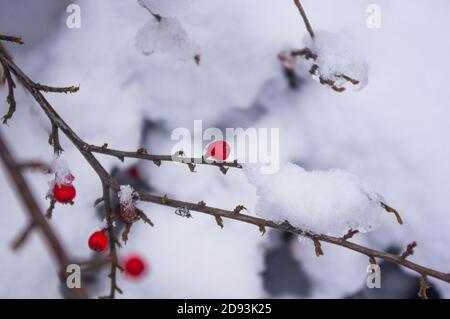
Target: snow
126 195
327 202
61 169
164 36
392 134
338 54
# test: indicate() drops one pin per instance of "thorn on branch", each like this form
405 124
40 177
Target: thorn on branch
318 247
424 286
409 250
104 146
191 167
164 199
157 163
219 221
350 234
197 59
262 229
224 169
389 209
142 151
144 217
238 209
201 203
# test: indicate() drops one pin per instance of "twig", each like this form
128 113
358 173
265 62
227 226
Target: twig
409 250
112 243
54 140
305 18
11 86
9 38
371 253
350 234
67 89
23 236
424 286
158 158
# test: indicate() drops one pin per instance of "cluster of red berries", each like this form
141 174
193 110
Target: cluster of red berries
134 265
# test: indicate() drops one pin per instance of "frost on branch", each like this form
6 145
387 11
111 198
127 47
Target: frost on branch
326 202
126 195
164 34
61 169
338 59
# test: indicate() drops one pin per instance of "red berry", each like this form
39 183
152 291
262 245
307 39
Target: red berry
98 241
64 193
219 150
127 214
135 266
133 172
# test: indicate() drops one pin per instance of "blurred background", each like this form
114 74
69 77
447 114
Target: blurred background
392 134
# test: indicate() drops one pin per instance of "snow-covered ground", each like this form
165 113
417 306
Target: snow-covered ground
391 133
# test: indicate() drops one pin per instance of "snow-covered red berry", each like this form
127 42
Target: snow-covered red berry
219 150
126 213
64 193
135 266
98 241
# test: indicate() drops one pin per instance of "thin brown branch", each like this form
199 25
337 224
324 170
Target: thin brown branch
112 243
159 158
305 18
424 286
409 250
35 166
20 240
67 89
54 140
389 209
10 99
9 38
371 253
35 214
350 234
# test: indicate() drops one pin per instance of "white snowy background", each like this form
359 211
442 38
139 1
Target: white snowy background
393 134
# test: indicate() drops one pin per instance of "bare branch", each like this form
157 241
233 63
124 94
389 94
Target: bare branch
305 18
350 234
409 250
11 86
67 89
23 236
9 38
